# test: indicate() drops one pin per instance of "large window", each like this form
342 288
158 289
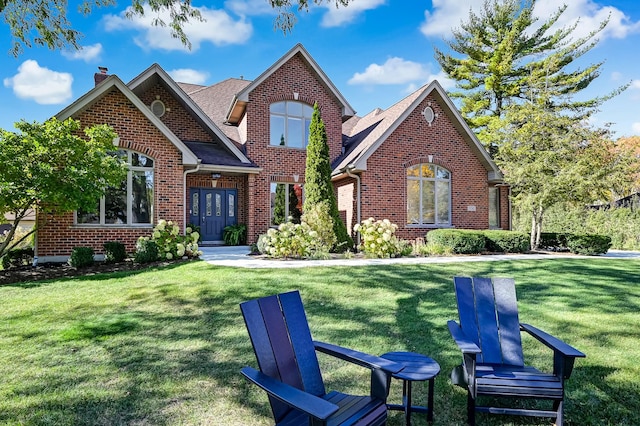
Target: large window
289 124
286 202
428 195
494 207
130 203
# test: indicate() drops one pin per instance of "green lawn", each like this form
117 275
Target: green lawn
164 347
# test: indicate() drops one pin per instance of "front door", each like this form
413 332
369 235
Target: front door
212 210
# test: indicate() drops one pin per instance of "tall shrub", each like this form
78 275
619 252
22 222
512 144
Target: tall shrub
318 186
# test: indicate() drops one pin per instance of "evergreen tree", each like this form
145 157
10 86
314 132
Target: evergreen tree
318 186
507 57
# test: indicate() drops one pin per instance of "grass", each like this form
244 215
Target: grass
165 346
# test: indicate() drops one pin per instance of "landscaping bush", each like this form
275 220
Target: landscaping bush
170 244
81 257
506 241
460 241
17 257
235 235
421 248
556 241
377 238
146 250
588 244
114 251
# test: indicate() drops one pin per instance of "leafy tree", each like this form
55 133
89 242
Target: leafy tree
48 166
549 158
508 57
318 186
45 22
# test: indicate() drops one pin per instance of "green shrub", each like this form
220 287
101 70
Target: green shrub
235 235
170 244
422 248
114 251
506 241
146 250
318 218
588 244
460 241
556 241
81 257
377 238
17 257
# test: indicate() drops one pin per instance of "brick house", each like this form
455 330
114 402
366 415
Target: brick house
234 152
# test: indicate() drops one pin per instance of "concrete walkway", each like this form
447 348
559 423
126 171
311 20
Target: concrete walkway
238 256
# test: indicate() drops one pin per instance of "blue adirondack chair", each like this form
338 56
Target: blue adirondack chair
290 374
493 363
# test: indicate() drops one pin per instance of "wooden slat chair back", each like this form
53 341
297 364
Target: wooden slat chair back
489 336
290 372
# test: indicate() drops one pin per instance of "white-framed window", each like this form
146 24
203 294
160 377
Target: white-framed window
289 124
428 195
130 203
286 202
494 207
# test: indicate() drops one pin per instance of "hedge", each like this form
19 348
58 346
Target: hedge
461 241
506 241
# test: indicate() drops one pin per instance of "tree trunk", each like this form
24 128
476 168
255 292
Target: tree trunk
536 226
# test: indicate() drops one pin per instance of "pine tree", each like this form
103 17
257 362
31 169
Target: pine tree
318 186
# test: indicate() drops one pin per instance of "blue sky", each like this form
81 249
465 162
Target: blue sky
375 52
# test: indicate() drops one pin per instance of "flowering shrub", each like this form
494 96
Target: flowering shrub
172 245
378 239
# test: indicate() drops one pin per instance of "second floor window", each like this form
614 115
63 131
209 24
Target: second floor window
289 124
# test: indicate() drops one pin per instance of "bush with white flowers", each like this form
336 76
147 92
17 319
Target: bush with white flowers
172 245
377 238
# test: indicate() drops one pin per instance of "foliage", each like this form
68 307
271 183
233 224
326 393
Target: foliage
588 244
377 238
319 220
235 235
146 250
17 257
507 57
45 164
422 248
114 251
172 245
81 257
556 241
459 241
318 186
506 241
286 19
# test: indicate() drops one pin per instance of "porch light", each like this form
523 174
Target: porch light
214 179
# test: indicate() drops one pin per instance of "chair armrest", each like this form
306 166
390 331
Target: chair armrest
359 358
552 342
294 397
466 345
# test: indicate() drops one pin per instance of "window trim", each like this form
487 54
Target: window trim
130 172
435 179
286 115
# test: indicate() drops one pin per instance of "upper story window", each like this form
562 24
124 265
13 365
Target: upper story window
289 123
428 195
131 203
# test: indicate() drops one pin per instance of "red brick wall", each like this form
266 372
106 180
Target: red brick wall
384 186
280 164
59 235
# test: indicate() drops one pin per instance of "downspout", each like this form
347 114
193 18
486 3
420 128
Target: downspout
357 178
184 193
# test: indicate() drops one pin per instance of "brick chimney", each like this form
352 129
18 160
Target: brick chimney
99 77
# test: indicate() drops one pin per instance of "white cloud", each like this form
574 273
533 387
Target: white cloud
447 14
249 7
337 16
395 71
217 28
40 84
635 84
86 53
187 75
636 128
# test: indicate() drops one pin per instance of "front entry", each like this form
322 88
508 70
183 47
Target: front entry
212 209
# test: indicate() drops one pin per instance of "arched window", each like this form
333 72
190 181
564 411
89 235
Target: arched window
131 203
289 124
428 195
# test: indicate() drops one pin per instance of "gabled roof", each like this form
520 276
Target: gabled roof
111 82
155 74
360 148
240 100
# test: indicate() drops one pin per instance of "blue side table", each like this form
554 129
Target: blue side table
417 368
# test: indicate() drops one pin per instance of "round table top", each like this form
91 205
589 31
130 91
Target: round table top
417 367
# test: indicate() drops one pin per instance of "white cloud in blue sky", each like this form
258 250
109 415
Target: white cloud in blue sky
249 7
217 27
187 75
86 53
44 86
338 16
